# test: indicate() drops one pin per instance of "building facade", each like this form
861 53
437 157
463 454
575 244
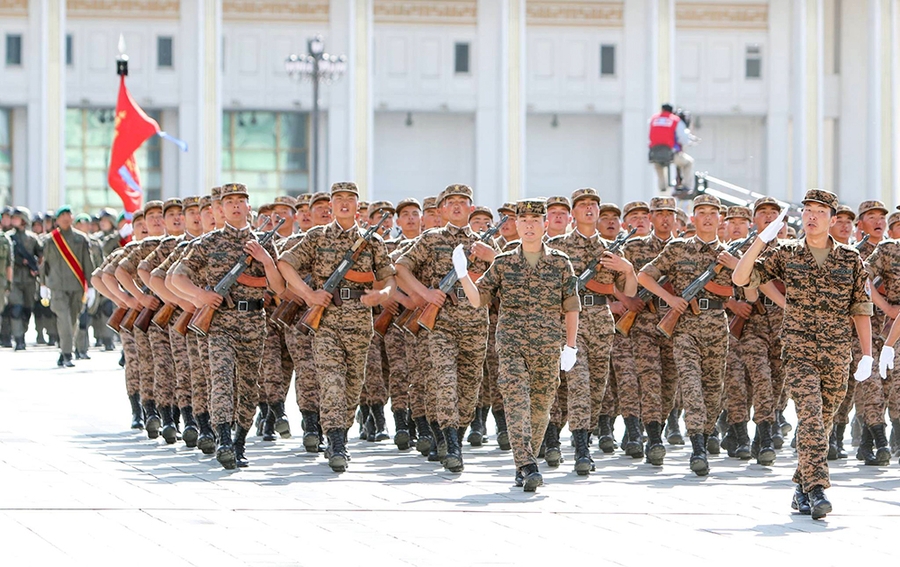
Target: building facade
515 97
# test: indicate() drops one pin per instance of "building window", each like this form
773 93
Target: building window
5 158
607 60
89 134
461 58
753 62
164 52
268 151
69 54
13 50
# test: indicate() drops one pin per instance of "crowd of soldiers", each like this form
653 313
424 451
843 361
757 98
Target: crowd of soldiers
565 311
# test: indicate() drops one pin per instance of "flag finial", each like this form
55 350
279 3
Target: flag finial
122 59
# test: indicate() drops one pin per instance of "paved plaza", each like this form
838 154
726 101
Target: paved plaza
77 487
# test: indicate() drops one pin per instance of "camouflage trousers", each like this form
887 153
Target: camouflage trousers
871 394
132 368
306 386
528 381
236 341
628 390
182 360
421 385
457 352
736 395
842 415
145 363
164 379
586 381
559 410
655 366
610 404
700 345
400 356
200 383
818 382
339 353
277 366
489 394
375 389
767 382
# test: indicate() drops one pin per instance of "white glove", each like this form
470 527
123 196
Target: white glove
126 230
460 262
771 231
864 369
45 292
885 360
567 359
91 296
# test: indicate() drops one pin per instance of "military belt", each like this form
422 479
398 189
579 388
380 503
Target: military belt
768 302
346 293
709 304
592 299
245 305
660 303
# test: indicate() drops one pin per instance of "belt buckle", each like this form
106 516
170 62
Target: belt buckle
768 302
589 300
704 304
345 293
243 305
460 293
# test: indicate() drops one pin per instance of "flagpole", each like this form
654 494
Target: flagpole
122 59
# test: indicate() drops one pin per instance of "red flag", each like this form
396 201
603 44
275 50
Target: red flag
133 127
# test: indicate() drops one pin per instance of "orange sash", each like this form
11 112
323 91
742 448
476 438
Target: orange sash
69 257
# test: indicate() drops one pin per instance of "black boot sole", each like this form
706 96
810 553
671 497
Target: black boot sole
401 440
338 463
423 445
190 436
269 437
138 425
453 463
311 442
475 439
170 434
606 444
743 454
883 457
532 481
777 441
207 445
766 457
713 446
503 441
656 454
805 510
832 452
381 437
153 425
700 467
553 456
820 510
226 458
583 467
283 428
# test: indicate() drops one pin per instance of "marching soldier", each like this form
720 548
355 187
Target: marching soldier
26 254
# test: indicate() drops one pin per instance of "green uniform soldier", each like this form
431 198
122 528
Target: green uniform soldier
532 282
27 252
67 263
6 268
825 291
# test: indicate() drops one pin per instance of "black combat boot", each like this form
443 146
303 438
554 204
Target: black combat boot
20 343
800 502
282 425
741 441
783 424
311 431
699 463
261 418
337 450
766 454
656 451
584 464
108 345
485 412
137 415
520 478
553 453
411 426
673 428
712 442
633 447
777 435
856 430
52 340
425 443
531 477
151 419
122 359
832 446
439 447
895 437
729 441
605 440
401 428
502 432
268 424
190 432
376 411
225 450
722 423
169 431
866 452
839 438
240 442
453 462
818 504
206 441
362 417
67 360
882 452
476 430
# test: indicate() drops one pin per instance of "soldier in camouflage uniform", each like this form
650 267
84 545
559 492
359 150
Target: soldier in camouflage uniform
700 340
825 286
531 281
342 340
237 331
26 254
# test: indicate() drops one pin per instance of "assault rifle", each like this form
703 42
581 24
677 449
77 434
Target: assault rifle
285 314
626 321
145 315
27 258
585 280
115 320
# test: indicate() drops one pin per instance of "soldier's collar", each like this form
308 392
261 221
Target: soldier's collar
453 228
831 240
591 237
232 227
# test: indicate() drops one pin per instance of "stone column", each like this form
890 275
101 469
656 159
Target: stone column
807 100
777 119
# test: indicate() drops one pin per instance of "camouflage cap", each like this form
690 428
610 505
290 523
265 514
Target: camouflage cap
362 206
455 189
137 215
766 202
191 201
509 208
705 199
303 200
234 189
285 200
737 212
265 208
559 200
205 201
663 203
531 207
635 206
216 193
429 203
344 187
893 218
379 207
845 210
867 206
486 211
682 217
408 202
320 196
791 232
585 193
822 197
150 205
172 203
610 207
722 210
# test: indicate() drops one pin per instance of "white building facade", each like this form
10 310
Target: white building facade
514 97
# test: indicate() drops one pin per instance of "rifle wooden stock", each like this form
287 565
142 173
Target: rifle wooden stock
408 321
128 321
286 313
736 326
383 322
201 320
886 330
625 322
115 320
670 319
428 317
181 324
144 318
312 318
164 315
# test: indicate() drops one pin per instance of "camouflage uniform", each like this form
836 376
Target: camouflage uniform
871 395
165 374
884 263
129 346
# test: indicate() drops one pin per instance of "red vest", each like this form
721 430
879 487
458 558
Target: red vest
662 129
